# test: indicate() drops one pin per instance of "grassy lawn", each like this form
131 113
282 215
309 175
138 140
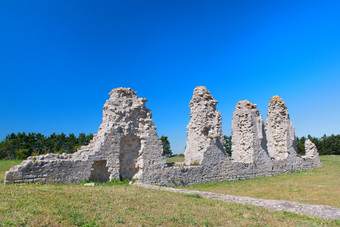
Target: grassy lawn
65 205
175 158
5 165
318 186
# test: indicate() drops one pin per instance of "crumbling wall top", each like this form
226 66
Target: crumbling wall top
277 107
202 97
122 91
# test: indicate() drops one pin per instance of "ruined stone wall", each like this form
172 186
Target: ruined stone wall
205 126
250 158
248 136
227 170
127 146
50 168
279 130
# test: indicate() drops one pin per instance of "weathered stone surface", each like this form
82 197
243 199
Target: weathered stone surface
311 150
204 127
248 135
250 157
279 130
126 145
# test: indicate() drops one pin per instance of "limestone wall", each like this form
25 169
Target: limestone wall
127 146
205 126
279 130
50 168
248 136
250 157
227 170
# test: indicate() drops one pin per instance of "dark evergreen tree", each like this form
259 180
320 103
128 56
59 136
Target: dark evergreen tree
40 146
300 144
22 145
227 144
89 137
82 138
166 146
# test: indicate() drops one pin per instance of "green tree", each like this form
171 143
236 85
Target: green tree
88 139
40 147
166 146
22 145
4 149
227 144
82 139
71 143
50 142
300 144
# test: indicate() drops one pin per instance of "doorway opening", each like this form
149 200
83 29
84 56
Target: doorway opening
129 149
100 172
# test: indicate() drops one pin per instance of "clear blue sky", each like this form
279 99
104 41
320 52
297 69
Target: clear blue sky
59 59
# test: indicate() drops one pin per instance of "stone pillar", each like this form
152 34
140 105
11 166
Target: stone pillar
248 137
280 130
311 150
205 127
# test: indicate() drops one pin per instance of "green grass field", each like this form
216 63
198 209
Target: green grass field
318 186
65 205
6 165
175 158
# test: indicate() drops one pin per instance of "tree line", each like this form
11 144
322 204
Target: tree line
22 145
326 145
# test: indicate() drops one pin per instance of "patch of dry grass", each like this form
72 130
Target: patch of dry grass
318 186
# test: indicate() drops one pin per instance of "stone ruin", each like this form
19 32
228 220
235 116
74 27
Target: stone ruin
127 146
205 127
280 130
248 136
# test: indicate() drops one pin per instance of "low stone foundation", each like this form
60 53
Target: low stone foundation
227 170
50 169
